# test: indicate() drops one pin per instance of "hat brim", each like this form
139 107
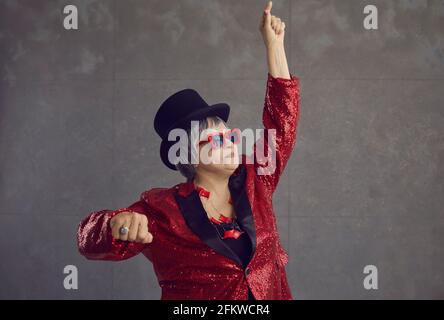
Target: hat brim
222 110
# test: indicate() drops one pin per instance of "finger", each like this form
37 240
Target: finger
267 14
115 229
277 23
278 27
274 22
116 224
126 223
149 238
143 230
144 237
282 29
134 227
268 6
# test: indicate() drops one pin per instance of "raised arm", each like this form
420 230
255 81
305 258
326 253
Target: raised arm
272 29
98 237
281 107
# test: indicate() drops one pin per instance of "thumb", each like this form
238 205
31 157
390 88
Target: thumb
268 6
267 13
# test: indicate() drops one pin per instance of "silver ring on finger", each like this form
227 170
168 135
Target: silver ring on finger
123 230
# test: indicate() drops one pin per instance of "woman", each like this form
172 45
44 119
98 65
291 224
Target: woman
215 235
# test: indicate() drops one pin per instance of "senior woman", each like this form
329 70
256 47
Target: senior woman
215 235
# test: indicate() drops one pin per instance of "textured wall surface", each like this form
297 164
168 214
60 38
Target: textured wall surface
364 186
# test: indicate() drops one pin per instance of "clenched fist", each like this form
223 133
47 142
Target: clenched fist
136 223
271 27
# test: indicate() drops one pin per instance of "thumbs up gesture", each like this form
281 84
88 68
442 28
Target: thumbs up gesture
271 27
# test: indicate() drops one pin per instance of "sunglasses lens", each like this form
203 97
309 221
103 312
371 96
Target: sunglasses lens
218 140
234 136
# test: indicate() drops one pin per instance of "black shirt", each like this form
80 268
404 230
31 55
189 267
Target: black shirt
242 247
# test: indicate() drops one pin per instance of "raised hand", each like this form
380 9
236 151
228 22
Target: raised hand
271 27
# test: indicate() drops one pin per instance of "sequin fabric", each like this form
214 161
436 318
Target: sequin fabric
187 267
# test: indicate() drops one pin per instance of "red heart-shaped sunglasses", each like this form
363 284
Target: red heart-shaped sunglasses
217 139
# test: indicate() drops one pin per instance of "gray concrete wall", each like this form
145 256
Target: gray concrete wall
364 185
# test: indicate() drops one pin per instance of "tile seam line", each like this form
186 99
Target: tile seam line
62 82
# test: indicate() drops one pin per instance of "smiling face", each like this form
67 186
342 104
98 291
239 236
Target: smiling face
215 155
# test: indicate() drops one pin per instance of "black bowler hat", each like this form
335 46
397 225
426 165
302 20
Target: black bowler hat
177 111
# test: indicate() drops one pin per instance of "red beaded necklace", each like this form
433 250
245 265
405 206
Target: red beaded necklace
228 225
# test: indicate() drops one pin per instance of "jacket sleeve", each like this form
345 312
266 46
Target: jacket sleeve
280 114
95 240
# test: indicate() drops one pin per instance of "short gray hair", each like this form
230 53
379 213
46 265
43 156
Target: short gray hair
187 169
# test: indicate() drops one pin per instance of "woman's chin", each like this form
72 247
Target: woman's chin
231 166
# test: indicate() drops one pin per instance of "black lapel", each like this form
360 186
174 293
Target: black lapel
196 217
242 206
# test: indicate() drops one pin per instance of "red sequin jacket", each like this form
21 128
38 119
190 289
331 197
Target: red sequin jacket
190 262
